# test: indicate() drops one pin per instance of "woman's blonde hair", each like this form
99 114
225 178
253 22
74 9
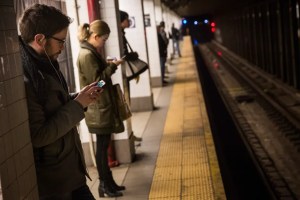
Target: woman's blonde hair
98 27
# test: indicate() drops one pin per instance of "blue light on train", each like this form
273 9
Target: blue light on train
195 22
206 21
184 21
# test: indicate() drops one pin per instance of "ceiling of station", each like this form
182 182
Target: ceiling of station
201 7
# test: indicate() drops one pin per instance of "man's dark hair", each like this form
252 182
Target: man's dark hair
162 24
42 19
123 15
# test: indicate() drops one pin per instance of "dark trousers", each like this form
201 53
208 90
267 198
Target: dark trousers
176 48
102 156
82 193
163 61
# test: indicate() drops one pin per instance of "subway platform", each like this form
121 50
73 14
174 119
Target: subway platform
176 158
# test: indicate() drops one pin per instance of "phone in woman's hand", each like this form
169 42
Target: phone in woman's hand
110 59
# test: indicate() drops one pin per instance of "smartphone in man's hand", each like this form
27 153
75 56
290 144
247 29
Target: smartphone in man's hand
101 83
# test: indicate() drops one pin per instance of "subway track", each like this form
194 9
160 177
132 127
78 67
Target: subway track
281 102
262 126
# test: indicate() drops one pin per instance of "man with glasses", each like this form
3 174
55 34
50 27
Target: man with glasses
53 112
62 42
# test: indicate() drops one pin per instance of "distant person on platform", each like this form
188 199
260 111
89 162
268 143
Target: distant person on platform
175 38
163 42
124 23
124 19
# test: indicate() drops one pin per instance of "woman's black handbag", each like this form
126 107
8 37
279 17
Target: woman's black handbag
134 65
134 68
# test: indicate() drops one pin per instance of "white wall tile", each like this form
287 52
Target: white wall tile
14 113
5 67
10 18
11 192
13 108
152 41
24 159
4 121
2 95
108 12
19 69
2 19
21 136
8 91
3 156
2 43
6 3
8 172
7 140
18 88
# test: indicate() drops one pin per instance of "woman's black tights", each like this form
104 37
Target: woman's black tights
102 156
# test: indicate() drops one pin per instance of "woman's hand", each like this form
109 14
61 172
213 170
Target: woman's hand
114 60
117 62
88 94
110 60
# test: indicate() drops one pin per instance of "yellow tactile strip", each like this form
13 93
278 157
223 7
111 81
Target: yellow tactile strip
187 166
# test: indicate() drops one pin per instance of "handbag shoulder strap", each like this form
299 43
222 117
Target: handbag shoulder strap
128 43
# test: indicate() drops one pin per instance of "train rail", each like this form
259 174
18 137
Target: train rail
265 111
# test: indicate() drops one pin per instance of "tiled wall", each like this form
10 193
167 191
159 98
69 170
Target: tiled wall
153 50
17 172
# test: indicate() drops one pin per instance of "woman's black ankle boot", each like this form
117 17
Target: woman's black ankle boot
114 185
106 189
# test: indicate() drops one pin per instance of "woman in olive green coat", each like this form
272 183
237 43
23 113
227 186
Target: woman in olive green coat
101 117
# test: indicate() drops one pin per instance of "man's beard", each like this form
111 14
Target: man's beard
51 56
55 55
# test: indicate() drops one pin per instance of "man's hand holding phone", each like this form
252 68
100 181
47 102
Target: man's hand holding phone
101 83
90 93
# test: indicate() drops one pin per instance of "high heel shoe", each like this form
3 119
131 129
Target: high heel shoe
113 184
117 187
106 189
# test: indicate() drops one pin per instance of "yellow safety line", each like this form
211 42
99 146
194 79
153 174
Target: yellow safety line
187 166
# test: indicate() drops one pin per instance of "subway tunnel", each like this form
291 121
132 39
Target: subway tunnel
222 124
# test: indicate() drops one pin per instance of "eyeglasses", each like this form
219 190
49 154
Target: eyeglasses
57 39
